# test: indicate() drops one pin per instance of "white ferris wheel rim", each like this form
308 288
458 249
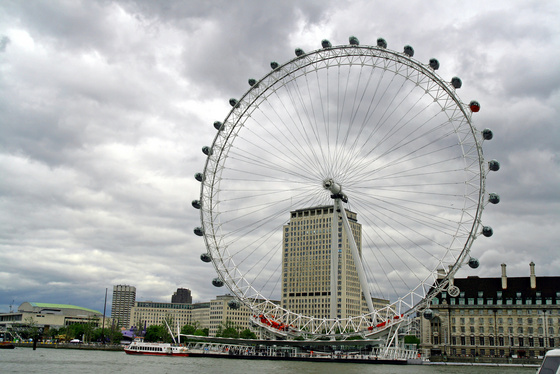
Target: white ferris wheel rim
214 189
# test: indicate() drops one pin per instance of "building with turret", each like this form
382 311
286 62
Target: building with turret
495 317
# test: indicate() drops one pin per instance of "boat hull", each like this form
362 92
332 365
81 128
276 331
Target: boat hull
137 353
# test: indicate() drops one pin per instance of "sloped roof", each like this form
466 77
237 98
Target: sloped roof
517 287
61 306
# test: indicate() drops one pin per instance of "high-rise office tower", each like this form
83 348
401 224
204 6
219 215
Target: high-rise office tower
182 296
306 264
124 297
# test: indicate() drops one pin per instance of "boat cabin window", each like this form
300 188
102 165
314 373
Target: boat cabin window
550 365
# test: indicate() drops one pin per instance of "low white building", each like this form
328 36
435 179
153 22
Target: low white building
48 315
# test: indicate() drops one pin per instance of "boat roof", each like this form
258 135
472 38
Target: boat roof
553 352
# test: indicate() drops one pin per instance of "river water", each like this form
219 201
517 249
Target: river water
61 361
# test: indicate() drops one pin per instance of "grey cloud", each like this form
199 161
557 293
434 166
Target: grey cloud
4 41
103 118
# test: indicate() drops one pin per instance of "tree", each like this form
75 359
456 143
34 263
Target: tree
247 334
154 333
411 339
202 332
188 330
228 330
31 330
157 333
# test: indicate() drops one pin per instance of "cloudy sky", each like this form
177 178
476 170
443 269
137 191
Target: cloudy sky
105 105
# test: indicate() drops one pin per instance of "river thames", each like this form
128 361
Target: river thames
60 361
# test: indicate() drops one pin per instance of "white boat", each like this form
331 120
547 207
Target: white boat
551 363
139 347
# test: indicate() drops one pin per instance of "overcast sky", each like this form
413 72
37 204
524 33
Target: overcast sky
105 105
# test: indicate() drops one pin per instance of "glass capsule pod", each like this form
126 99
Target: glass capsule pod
408 50
456 82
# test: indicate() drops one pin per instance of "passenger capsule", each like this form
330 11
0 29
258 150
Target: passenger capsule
233 102
234 304
474 263
408 50
494 198
475 106
196 204
326 44
207 150
428 314
252 82
381 43
274 65
456 82
434 64
206 257
493 165
487 231
218 125
353 40
217 282
199 177
299 52
199 231
487 134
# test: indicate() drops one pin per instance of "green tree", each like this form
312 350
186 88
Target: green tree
202 332
30 330
154 333
227 330
89 328
157 333
230 332
247 334
188 330
411 339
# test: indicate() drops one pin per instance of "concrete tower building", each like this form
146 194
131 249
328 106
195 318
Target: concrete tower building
306 264
182 296
124 297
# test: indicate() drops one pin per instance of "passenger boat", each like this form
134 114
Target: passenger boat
6 345
551 363
139 347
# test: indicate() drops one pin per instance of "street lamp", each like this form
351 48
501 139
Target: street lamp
544 319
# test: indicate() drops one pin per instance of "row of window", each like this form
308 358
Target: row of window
500 341
501 330
509 320
498 301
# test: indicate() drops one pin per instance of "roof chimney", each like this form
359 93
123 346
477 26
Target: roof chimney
533 277
504 277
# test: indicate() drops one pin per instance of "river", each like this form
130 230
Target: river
61 361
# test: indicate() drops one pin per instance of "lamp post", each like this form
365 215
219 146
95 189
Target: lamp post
544 320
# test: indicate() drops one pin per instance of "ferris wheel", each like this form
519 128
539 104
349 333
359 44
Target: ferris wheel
347 168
